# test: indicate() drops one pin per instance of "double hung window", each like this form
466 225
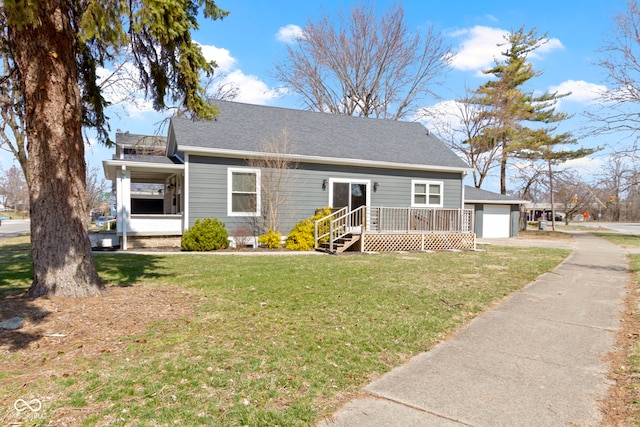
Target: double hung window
426 194
243 198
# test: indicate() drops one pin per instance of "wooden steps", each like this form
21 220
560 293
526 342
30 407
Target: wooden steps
340 245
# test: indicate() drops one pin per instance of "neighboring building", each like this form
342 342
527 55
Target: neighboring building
212 169
495 215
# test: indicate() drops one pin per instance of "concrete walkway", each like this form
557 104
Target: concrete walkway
538 359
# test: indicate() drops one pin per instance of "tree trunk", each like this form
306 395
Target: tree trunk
503 171
60 247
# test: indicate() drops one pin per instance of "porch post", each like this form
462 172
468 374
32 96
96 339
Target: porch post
185 195
123 202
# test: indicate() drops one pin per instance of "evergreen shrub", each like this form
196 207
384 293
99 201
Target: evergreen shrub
301 237
206 235
270 240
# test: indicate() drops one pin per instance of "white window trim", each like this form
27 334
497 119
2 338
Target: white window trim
428 184
230 172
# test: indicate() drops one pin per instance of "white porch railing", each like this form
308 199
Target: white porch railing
154 225
421 220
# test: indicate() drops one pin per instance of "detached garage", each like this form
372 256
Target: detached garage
496 215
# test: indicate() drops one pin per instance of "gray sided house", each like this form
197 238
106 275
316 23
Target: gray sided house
256 167
495 215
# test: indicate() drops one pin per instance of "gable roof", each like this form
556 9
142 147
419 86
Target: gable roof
477 195
240 128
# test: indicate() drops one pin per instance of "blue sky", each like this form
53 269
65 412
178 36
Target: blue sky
253 37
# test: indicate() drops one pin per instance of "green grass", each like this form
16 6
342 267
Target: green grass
279 340
15 265
629 240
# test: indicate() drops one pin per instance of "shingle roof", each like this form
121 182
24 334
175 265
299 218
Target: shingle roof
242 127
477 195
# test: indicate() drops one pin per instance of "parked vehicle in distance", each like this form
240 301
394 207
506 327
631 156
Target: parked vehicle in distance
103 221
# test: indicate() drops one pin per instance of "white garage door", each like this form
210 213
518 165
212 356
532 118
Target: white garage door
496 221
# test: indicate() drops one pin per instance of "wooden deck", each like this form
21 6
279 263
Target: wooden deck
382 229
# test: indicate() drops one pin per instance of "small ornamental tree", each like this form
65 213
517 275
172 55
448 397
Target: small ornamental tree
206 235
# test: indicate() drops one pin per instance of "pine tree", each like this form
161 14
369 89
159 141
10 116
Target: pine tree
54 48
506 106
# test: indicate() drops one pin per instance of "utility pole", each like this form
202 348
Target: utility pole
602 205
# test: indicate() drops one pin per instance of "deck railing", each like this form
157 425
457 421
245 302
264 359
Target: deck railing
421 220
392 220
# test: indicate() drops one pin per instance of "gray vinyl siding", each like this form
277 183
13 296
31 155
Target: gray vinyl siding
515 221
479 219
208 189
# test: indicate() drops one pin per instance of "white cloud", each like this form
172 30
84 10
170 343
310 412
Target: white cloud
586 165
581 91
478 48
549 46
481 45
221 56
120 88
128 100
441 116
289 33
251 89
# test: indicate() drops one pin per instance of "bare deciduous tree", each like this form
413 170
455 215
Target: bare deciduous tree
572 194
621 61
463 130
276 167
363 64
13 186
12 123
96 187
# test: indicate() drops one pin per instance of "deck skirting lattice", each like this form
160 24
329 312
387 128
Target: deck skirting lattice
389 242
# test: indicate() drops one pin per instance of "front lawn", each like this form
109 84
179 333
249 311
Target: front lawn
272 340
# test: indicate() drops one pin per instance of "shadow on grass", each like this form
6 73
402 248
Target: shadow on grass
127 269
16 277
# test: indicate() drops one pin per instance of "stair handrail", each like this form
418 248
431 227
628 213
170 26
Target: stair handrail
343 225
340 224
319 237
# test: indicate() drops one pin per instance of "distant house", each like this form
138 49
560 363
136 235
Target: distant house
403 180
495 215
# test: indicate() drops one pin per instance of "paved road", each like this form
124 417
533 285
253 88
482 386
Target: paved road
14 228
